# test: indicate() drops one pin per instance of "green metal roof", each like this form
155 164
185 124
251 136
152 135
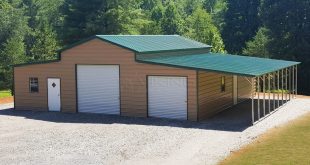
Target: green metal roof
231 64
153 43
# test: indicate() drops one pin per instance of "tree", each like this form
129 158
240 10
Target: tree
76 17
289 25
171 21
191 5
13 28
217 8
241 24
45 44
201 28
150 4
84 19
13 53
258 47
41 40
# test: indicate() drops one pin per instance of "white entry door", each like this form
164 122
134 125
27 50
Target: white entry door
167 97
98 89
53 94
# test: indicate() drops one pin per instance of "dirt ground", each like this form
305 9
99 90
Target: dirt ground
28 137
6 100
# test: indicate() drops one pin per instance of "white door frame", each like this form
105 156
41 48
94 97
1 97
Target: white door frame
78 92
58 94
235 89
169 76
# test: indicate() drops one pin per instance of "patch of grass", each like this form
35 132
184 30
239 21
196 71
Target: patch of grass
5 93
278 91
286 145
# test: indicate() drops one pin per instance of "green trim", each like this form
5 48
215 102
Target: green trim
222 63
153 43
39 62
35 63
104 40
191 68
76 44
122 46
173 50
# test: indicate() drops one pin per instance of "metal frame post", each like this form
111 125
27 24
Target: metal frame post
252 98
282 79
296 89
293 83
290 83
258 98
264 97
274 88
278 88
286 86
269 93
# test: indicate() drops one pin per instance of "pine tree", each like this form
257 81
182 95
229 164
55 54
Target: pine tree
201 28
258 47
241 24
45 44
289 25
171 21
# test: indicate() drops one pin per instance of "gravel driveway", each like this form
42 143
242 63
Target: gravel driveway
57 138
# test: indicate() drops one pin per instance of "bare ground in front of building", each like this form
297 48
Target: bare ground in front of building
56 138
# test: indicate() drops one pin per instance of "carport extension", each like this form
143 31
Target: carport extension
274 80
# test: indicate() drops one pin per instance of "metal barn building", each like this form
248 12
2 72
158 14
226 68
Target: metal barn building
164 76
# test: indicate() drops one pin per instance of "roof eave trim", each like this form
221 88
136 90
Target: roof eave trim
36 63
193 68
174 50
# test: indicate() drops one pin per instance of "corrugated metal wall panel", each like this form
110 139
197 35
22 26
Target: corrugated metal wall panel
167 97
132 76
98 89
244 88
211 99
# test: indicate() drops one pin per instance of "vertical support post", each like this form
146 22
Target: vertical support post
269 99
296 90
289 83
252 98
293 80
274 88
264 97
282 80
286 86
278 88
258 101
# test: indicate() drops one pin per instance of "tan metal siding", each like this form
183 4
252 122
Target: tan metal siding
244 88
132 77
211 99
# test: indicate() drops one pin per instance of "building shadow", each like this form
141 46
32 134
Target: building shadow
234 119
239 117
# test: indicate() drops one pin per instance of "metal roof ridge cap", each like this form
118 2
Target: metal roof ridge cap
188 39
114 43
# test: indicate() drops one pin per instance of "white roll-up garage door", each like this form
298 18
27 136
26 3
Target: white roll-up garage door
98 89
167 97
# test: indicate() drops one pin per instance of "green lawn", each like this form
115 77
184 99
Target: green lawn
5 93
288 145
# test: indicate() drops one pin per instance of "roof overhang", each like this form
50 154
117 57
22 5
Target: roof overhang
223 63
